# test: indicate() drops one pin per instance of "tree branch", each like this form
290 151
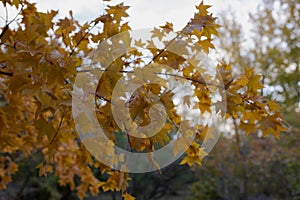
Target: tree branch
168 44
190 79
4 31
6 73
6 27
7 45
82 38
58 128
129 142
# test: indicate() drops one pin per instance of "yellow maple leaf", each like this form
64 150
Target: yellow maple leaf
127 196
242 80
167 27
254 83
203 8
273 106
206 44
157 33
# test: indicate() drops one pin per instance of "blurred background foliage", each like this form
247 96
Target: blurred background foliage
239 167
254 167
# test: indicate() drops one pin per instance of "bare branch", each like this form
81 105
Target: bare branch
6 73
5 29
82 38
58 128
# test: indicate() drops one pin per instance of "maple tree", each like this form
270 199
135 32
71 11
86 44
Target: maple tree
40 58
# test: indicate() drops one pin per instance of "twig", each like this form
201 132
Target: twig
103 98
7 45
82 38
11 21
6 14
59 126
4 31
168 44
6 73
228 84
129 142
190 79
250 103
6 27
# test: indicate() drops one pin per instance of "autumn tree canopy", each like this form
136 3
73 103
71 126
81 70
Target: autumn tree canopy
40 58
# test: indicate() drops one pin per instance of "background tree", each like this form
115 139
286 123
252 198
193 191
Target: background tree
277 56
259 168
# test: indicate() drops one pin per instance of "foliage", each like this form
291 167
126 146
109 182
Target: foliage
263 167
39 60
253 167
278 55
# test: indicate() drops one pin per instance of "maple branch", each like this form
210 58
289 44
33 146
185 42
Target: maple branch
248 102
190 79
6 73
228 84
168 44
2 18
6 27
8 45
58 128
163 50
11 21
129 142
6 14
178 76
82 38
166 74
103 98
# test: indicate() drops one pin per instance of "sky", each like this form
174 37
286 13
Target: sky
147 14
154 13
